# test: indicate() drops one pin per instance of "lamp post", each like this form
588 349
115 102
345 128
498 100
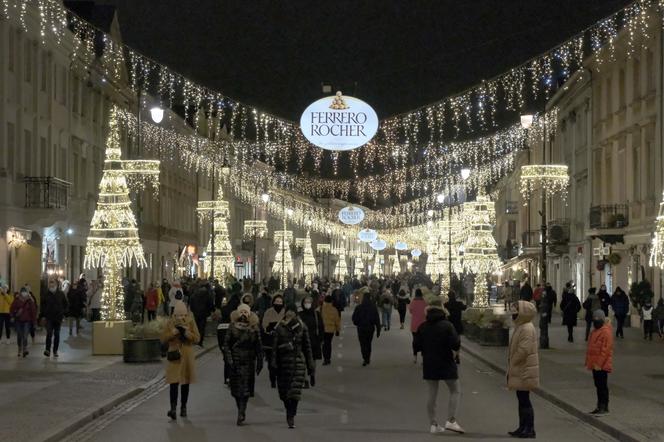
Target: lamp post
265 197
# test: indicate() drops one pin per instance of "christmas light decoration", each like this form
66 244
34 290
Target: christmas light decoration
255 228
222 257
657 248
113 242
308 261
359 267
341 267
396 267
552 178
283 261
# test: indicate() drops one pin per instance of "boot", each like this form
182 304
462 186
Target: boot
518 431
528 424
171 413
290 420
183 411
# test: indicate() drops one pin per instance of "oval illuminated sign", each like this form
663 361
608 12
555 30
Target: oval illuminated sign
367 235
378 244
400 245
351 215
339 122
415 253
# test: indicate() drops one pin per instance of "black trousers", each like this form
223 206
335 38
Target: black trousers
152 315
53 334
200 323
402 315
414 349
327 346
174 395
365 335
647 329
291 407
570 333
526 411
589 324
6 320
272 371
544 331
601 379
620 320
221 335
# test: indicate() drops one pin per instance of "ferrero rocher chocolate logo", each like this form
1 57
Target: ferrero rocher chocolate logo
338 102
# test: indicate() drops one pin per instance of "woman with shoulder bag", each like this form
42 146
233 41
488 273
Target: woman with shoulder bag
180 334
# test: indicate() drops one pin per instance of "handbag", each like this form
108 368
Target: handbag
173 355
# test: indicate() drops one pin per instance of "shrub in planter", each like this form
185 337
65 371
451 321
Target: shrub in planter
486 327
142 343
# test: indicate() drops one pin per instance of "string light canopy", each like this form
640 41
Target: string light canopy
657 248
255 228
553 179
113 242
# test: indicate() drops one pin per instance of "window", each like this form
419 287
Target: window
84 176
27 151
11 148
63 163
650 71
511 230
75 95
12 50
62 85
609 99
636 80
621 89
27 71
43 157
45 68
74 176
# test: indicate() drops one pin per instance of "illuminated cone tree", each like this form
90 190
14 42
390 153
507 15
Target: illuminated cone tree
283 261
113 242
341 268
220 257
308 261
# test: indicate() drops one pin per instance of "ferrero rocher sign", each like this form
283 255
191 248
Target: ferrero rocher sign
339 123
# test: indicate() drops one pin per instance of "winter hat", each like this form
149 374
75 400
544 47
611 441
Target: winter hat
180 308
598 315
243 308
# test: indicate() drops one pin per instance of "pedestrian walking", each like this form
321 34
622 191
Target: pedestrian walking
526 292
94 300
263 303
439 343
402 305
604 299
6 300
507 294
243 353
152 302
332 327
366 319
547 300
591 304
570 307
646 314
201 305
180 333
417 317
292 359
271 319
24 312
223 324
386 303
455 309
76 298
658 318
620 305
53 309
599 359
311 317
523 366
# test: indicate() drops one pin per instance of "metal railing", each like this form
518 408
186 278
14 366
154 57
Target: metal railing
558 231
46 192
609 216
531 238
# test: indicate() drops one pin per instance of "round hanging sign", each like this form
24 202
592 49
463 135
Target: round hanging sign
339 122
378 244
367 235
415 253
351 215
400 245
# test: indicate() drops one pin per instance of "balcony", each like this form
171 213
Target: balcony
511 207
46 193
610 216
531 239
558 231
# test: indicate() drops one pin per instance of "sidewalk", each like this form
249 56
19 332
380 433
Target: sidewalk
41 395
635 386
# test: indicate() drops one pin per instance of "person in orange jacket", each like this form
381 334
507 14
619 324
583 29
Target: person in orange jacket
599 359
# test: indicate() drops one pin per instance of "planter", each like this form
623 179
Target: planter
494 337
141 350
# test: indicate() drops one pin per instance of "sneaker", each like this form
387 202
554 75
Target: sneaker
25 353
47 353
595 411
436 429
454 426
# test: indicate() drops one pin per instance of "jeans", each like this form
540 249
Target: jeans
454 386
647 329
22 332
387 317
71 323
365 335
601 379
660 327
53 332
620 320
327 346
200 323
6 320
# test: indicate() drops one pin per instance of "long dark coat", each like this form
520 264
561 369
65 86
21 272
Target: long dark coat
292 356
570 307
243 351
314 322
437 340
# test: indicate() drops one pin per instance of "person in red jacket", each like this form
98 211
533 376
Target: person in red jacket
24 312
152 302
599 359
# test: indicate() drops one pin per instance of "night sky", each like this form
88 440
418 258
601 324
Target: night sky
394 54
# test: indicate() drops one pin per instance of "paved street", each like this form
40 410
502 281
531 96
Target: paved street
383 402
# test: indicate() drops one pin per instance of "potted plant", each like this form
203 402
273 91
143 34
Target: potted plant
486 327
142 342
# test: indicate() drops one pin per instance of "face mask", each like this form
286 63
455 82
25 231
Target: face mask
598 323
244 318
514 316
307 305
278 307
51 289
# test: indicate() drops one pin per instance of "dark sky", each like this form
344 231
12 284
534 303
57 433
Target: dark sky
394 54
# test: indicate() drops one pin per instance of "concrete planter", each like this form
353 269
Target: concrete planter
141 350
494 337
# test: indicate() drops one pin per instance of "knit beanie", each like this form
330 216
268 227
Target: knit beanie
243 308
180 308
598 315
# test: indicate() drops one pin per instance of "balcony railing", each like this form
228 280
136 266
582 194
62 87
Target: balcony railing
511 207
531 238
611 216
558 231
46 192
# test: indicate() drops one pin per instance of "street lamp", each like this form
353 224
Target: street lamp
157 114
526 121
265 197
465 173
430 213
440 198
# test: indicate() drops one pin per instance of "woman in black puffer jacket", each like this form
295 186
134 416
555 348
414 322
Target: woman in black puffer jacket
244 355
292 359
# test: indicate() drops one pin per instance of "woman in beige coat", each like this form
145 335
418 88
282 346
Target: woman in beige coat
523 366
180 333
